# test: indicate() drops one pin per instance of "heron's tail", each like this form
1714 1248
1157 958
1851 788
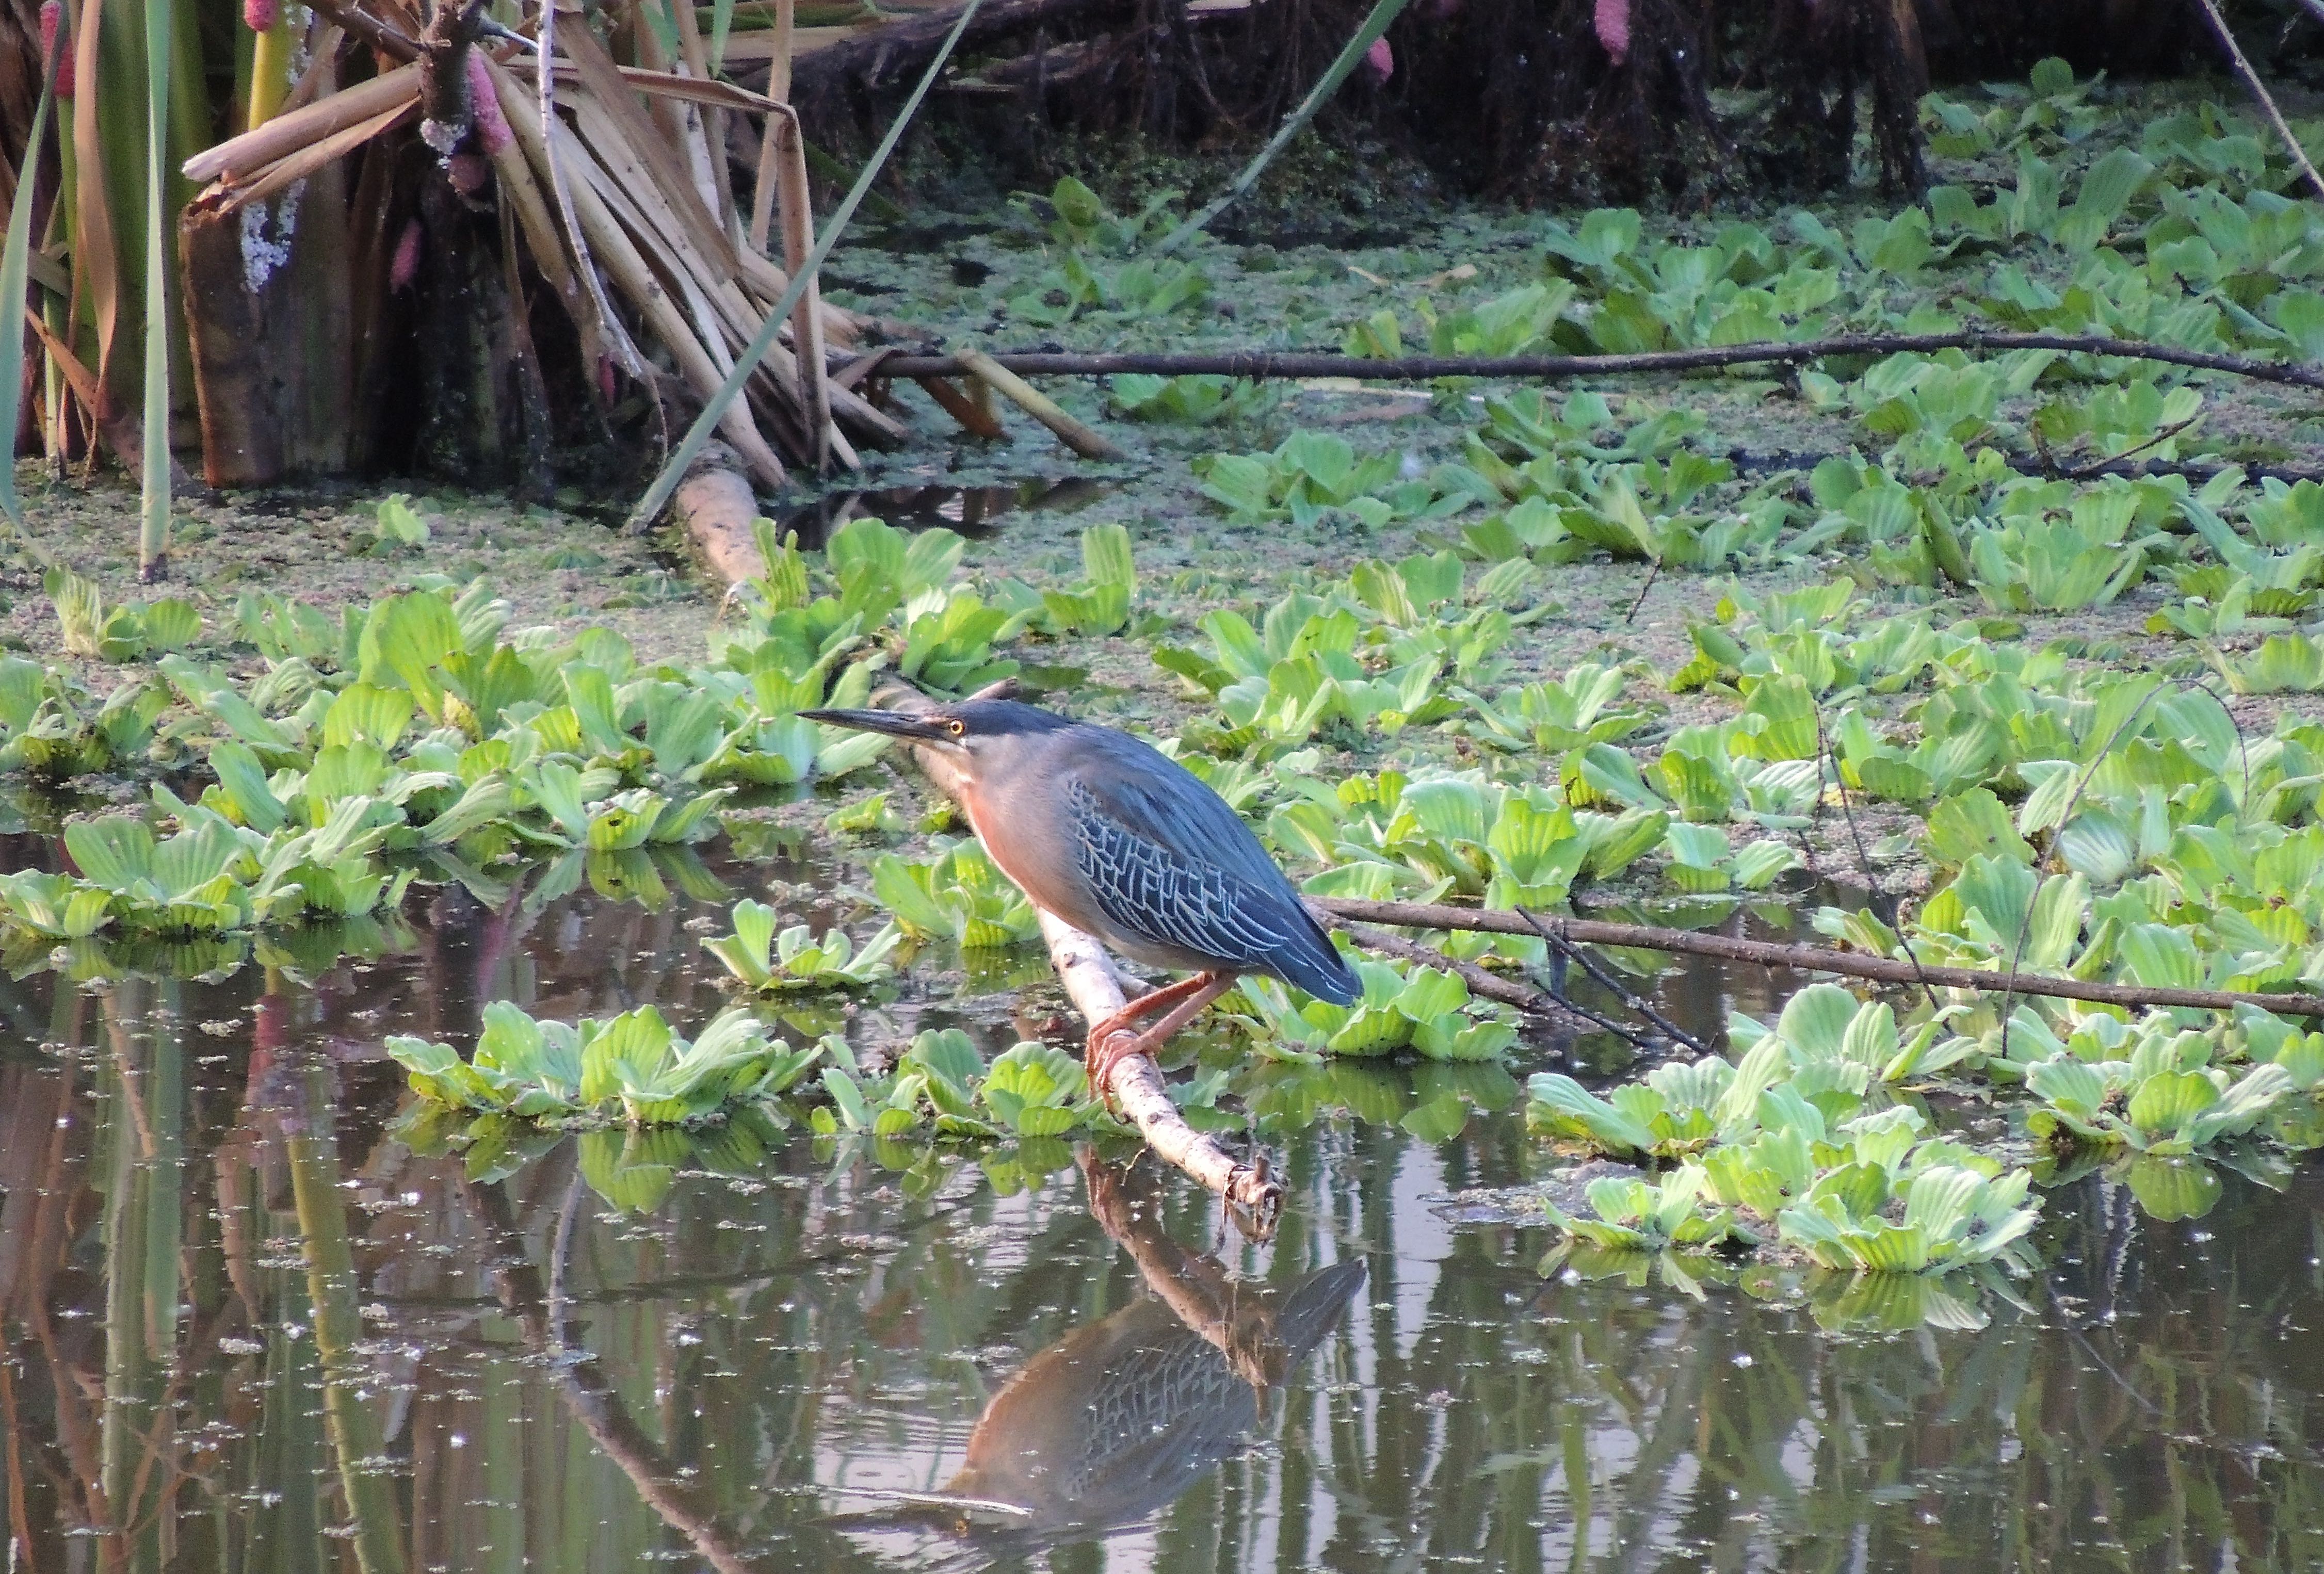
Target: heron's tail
1314 1305
1310 961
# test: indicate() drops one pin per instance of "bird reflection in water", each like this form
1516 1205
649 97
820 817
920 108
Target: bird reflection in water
1118 1418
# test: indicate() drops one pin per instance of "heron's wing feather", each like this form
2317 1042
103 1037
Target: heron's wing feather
1146 789
1166 858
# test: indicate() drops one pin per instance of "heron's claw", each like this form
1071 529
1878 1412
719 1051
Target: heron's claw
1109 1047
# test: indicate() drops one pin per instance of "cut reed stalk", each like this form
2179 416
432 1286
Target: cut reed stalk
287 133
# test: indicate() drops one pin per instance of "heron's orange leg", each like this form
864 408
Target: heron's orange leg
1146 1005
1111 1040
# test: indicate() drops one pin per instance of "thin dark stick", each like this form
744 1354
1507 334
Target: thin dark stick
1480 981
1864 859
381 36
1747 463
1297 363
2085 472
1613 985
2258 89
1814 958
1654 574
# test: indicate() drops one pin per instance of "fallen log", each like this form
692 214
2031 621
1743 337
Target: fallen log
1809 957
1302 363
889 54
717 511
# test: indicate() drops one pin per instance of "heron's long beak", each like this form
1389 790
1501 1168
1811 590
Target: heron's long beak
894 723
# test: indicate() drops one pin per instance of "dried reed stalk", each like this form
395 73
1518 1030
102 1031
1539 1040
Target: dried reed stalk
629 201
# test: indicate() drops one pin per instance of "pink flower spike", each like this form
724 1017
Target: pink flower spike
493 133
1612 21
260 15
52 20
1380 60
405 266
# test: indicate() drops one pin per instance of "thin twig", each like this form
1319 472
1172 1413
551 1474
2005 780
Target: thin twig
1652 575
2085 472
2258 89
1864 859
1373 27
1613 985
1302 363
1481 980
1814 958
1766 462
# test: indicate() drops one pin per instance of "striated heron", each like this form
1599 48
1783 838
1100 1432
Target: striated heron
1125 843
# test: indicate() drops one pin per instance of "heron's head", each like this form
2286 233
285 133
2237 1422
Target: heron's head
972 739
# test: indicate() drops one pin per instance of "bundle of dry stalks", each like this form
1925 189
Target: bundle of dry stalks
621 202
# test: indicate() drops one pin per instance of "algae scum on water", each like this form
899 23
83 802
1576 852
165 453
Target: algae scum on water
494 1086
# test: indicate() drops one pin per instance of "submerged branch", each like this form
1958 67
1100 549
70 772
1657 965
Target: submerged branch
1811 958
1276 364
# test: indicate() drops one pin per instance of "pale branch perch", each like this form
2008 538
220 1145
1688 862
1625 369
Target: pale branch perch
1811 958
1301 363
1137 1083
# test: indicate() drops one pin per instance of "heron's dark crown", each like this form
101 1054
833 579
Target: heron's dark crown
1002 718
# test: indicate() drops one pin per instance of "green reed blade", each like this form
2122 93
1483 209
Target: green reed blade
1383 12
15 267
153 541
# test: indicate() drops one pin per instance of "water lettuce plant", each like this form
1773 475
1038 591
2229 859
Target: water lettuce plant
796 958
2151 1086
122 633
958 895
53 727
1799 1148
1638 1215
1930 1220
1425 1010
1099 605
1312 474
629 1069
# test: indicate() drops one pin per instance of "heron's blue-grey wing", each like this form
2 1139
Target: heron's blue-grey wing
1165 857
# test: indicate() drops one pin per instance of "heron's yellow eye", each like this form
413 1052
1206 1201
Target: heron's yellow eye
956 728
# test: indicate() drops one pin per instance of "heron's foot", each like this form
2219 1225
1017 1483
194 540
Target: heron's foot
1111 1042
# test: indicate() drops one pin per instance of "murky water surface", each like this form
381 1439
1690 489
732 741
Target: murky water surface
247 1328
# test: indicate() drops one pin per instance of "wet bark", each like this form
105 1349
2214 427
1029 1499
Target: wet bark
269 311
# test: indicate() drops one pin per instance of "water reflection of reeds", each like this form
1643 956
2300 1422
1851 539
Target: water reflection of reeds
246 1329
